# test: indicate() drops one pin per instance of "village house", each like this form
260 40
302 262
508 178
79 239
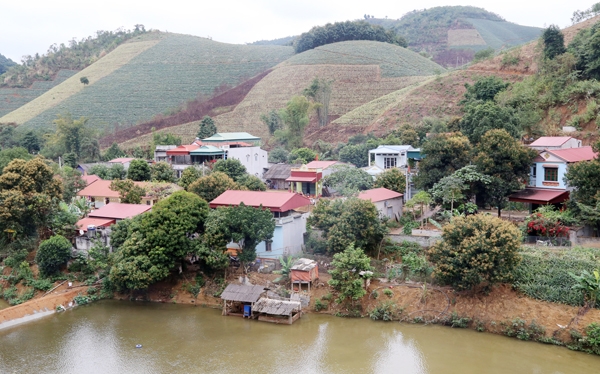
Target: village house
306 181
387 202
99 193
96 226
548 143
391 156
277 174
290 226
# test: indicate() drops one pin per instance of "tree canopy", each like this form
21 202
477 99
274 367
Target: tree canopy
444 154
211 186
232 167
139 170
345 273
162 172
207 128
348 180
392 179
52 254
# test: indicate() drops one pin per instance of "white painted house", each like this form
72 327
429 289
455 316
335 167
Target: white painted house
387 202
555 142
392 156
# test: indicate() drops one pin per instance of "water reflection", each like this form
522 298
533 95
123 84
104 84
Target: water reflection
101 338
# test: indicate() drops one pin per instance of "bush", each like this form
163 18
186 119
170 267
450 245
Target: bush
320 305
387 292
41 284
52 254
477 250
385 311
518 328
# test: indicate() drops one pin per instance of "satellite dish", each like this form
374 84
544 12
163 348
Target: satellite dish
80 232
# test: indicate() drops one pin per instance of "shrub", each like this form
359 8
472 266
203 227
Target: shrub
41 284
456 321
320 305
52 254
385 311
387 292
477 250
518 328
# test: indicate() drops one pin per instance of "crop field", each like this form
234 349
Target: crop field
394 61
40 112
464 37
14 98
159 79
504 34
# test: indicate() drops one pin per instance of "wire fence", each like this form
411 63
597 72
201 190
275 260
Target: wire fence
547 241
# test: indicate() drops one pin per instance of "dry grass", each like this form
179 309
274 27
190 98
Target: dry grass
103 67
464 37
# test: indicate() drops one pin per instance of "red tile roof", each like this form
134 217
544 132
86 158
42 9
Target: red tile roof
101 188
182 150
321 164
550 141
89 179
541 196
275 201
379 194
83 223
119 211
575 154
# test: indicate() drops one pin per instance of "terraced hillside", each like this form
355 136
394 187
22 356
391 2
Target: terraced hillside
159 76
361 71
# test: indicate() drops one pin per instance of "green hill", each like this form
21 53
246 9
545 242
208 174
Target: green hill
141 79
5 63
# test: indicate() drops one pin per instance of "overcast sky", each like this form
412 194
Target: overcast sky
31 26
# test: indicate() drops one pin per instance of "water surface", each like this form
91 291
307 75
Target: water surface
101 338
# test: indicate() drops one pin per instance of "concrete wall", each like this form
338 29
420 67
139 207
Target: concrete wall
390 208
288 237
538 181
255 159
423 241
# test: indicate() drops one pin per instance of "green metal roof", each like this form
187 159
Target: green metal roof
231 137
207 150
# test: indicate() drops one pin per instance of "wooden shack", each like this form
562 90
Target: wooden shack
304 271
277 311
238 300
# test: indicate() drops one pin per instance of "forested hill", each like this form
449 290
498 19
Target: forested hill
452 33
5 63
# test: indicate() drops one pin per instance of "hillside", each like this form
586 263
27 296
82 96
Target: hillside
5 63
454 33
146 77
357 79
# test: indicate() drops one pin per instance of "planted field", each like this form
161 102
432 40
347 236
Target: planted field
464 37
394 61
159 79
504 34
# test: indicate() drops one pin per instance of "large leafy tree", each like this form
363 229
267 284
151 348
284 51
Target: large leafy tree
356 154
232 167
301 156
506 161
345 273
139 170
480 118
211 186
585 46
585 178
52 254
70 136
207 128
31 142
476 251
7 155
245 225
348 221
348 180
28 194
72 182
252 183
158 240
129 192
189 176
113 152
295 118
554 42
392 179
162 172
484 89
444 154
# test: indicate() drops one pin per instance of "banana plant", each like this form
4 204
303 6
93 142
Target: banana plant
589 284
286 268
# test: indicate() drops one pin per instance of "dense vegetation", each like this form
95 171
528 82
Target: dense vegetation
5 63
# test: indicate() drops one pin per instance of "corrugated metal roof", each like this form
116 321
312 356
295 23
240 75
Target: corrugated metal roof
119 211
321 164
304 264
379 194
242 293
121 160
540 196
182 150
575 154
273 200
101 188
550 141
277 307
83 223
279 171
207 150
230 137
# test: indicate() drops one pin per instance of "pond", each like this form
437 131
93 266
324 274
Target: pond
102 338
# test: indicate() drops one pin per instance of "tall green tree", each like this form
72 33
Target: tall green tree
189 176
554 42
301 156
211 186
272 120
295 118
345 274
207 128
31 142
113 152
480 118
320 92
348 180
162 172
392 179
139 170
129 192
444 154
232 167
52 254
7 155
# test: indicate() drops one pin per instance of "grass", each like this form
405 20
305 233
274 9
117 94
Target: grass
501 35
394 61
141 79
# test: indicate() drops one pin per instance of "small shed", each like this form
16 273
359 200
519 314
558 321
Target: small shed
277 311
304 271
238 300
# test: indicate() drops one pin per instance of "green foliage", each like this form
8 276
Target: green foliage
356 154
278 154
189 176
213 185
387 292
117 171
41 284
272 120
476 251
319 92
295 118
457 321
385 311
162 172
70 159
544 273
554 42
480 118
392 179
347 221
139 170
342 31
584 176
484 89
231 167
348 180
52 254
113 152
518 328
129 192
207 128
252 183
586 49
444 155
301 156
71 136
345 276
84 80
286 263
483 54
163 138
589 284
320 305
7 155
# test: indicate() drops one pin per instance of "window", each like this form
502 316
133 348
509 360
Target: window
534 171
268 245
256 157
551 174
389 162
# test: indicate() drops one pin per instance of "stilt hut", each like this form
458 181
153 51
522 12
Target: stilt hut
277 311
238 300
304 271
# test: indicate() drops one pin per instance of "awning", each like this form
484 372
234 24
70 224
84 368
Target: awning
541 196
83 223
302 179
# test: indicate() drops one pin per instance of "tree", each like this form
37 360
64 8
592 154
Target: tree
52 254
90 150
554 42
295 118
278 155
84 80
272 120
301 156
252 183
449 190
71 182
345 274
7 155
392 179
213 185
585 46
357 154
158 240
423 199
162 172
129 192
189 176
476 251
7 136
139 170
506 161
484 89
161 138
70 159
584 176
113 152
245 225
348 180
232 167
347 221
69 136
445 153
480 118
206 128
31 142
320 92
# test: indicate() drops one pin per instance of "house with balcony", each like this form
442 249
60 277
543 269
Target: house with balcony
290 225
391 156
305 181
546 181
